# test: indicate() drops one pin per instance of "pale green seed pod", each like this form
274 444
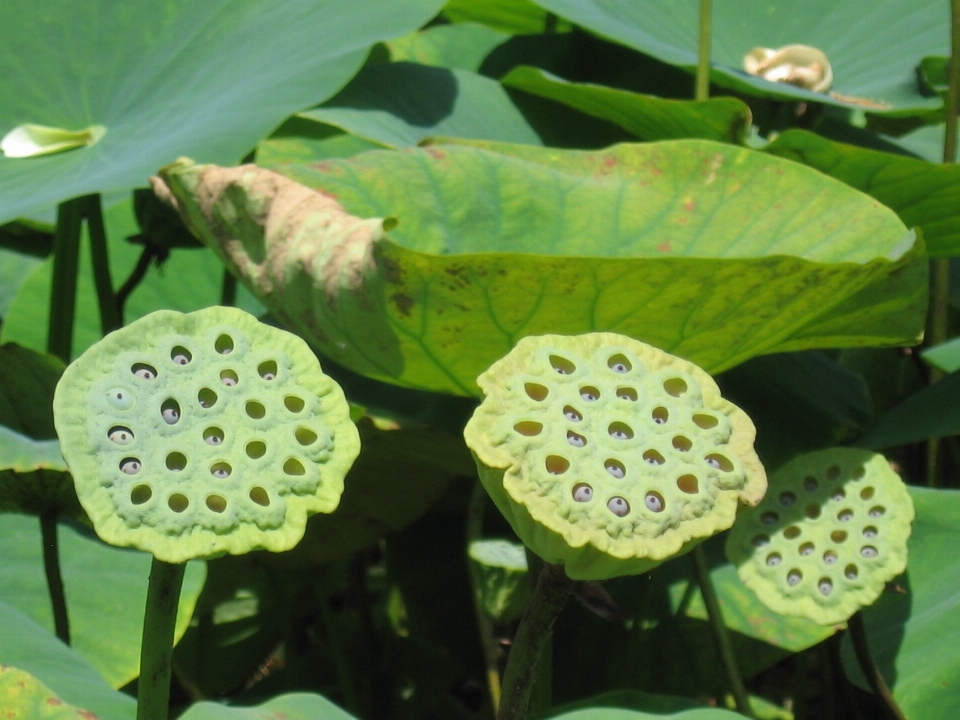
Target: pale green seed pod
826 541
607 455
202 434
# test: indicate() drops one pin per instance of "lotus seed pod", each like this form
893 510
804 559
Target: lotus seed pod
203 434
826 541
607 455
502 578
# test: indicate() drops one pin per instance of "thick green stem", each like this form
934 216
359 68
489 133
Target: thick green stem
228 293
156 650
536 627
63 288
858 635
51 566
727 656
703 52
110 319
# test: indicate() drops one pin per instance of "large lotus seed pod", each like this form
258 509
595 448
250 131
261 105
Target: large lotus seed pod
828 539
202 434
607 455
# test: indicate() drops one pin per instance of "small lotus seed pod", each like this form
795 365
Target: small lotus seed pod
607 455
826 542
502 582
169 458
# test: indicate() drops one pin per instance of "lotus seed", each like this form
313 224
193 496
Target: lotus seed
682 443
144 371
845 515
582 492
207 398
228 378
170 412
620 431
825 586
787 499
120 435
221 470
868 551
572 415
576 440
833 472
181 356
851 572
654 502
761 540
615 468
838 495
131 466
830 557
536 391
812 511
806 549
794 577
773 559
120 399
590 394
224 345
660 415
769 518
618 506
213 436
619 364
562 365
810 484
876 512
627 393
720 462
859 473
267 370
869 532
653 457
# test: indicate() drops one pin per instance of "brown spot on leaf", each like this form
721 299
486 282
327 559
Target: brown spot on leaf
403 303
664 246
689 205
54 701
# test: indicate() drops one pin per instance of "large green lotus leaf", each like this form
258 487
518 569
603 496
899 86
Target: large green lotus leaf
921 193
400 104
293 706
615 713
926 142
27 382
106 590
649 118
932 412
914 635
208 79
945 356
711 252
14 269
34 478
510 16
187 281
306 141
23 697
463 46
29 647
873 46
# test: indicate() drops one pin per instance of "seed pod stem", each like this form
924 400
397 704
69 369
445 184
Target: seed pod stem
858 635
156 649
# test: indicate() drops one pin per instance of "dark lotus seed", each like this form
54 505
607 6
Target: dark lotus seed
837 495
131 466
688 484
794 577
845 515
825 586
682 443
576 440
866 493
787 499
830 557
221 470
773 559
562 365
851 572
869 532
213 436
810 484
761 540
572 415
536 391
653 457
806 549
259 496
615 468
627 393
812 511
620 431
590 394
868 551
618 506
876 512
660 415
557 465
833 472
838 536
619 364
140 494
769 518
705 422
582 492
654 502
792 532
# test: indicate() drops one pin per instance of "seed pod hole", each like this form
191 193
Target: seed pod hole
267 370
562 365
180 355
794 577
170 411
576 440
572 415
619 363
825 586
720 462
675 386
787 499
140 494
812 511
705 422
176 461
207 398
557 465
255 449
255 410
876 511
660 415
792 532
769 518
224 345
120 399
130 466
615 468
851 572
536 391
618 506
527 427
688 484
305 436
294 467
627 393
806 549
838 536
845 515
830 557
866 493
620 431
213 436
653 457
869 532
761 540
229 378
582 492
217 503
858 473
590 393
293 403
178 502
774 559
221 470
120 435
868 551
144 371
681 443
654 501
838 495
259 496
810 484
833 473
